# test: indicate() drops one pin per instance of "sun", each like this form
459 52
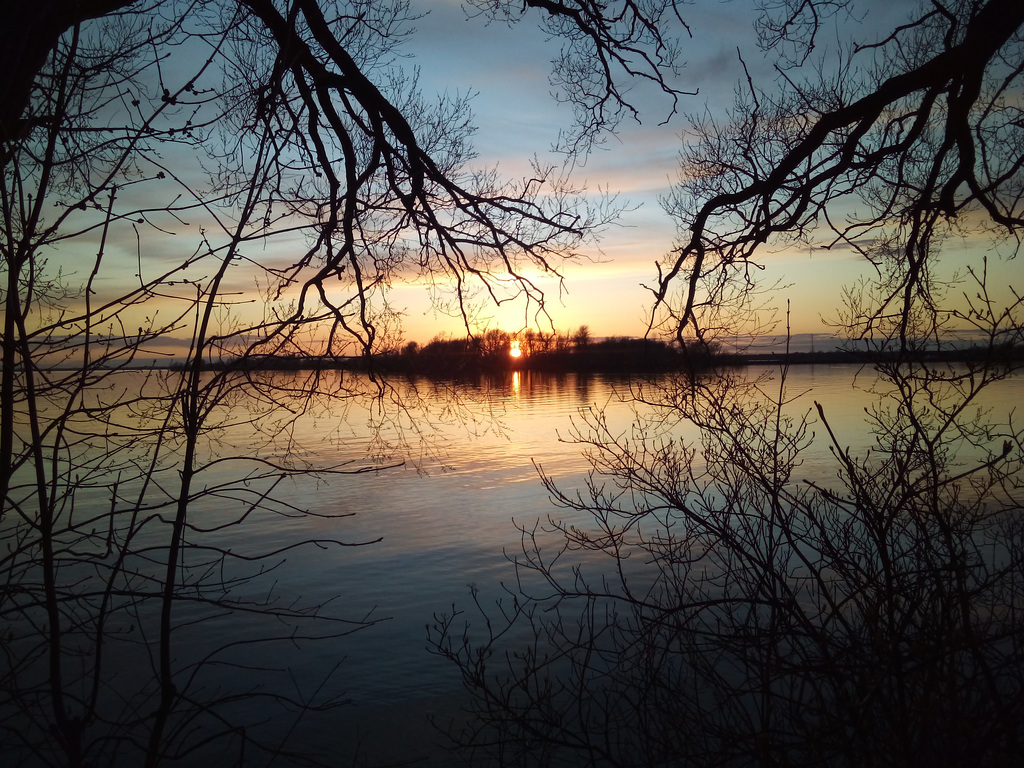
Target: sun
514 350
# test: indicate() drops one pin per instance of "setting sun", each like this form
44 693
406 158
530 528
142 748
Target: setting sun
514 350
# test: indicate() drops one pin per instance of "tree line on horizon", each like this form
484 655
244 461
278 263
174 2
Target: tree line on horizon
578 350
575 350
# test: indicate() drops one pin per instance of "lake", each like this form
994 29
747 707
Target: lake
450 470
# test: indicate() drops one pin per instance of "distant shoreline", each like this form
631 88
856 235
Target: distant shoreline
634 359
582 362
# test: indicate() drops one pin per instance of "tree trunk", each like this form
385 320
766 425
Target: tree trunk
28 32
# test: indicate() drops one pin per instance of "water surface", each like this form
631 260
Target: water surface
450 471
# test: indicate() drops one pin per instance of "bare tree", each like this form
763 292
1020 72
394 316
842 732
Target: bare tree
581 339
110 473
912 136
494 344
157 158
605 45
701 601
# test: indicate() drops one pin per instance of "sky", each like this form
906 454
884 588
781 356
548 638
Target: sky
517 119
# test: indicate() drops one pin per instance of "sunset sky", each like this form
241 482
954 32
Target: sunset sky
517 118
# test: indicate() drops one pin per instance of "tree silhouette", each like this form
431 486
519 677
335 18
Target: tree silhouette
702 600
911 144
581 339
212 182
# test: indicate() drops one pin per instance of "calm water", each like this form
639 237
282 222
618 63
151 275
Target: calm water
446 519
